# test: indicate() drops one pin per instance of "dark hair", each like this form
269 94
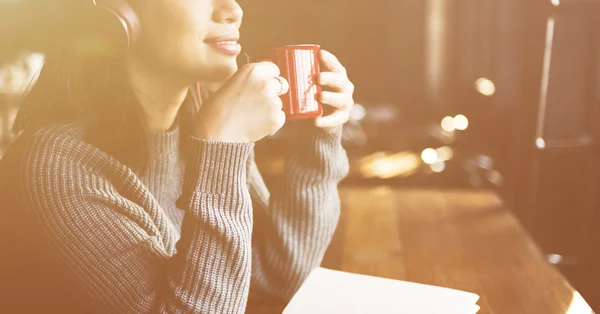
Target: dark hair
94 90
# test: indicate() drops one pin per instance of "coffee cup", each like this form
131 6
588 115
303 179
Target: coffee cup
299 65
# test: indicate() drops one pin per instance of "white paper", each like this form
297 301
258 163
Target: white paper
330 291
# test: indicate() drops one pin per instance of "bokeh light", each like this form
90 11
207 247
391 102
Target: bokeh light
460 122
438 166
485 86
448 124
429 156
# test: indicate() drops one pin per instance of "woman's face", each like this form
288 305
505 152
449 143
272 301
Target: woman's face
190 39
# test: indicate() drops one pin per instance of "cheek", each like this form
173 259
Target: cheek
174 29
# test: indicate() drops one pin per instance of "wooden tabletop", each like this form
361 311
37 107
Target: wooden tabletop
464 240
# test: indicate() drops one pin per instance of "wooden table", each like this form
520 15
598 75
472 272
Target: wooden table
464 240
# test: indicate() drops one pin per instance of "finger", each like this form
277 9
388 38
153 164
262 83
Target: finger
284 86
333 120
277 103
279 122
337 100
278 85
268 68
336 81
331 62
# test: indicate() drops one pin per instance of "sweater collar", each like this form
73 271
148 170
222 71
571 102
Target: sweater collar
164 143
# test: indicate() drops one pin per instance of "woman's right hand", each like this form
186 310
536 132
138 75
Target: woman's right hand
247 108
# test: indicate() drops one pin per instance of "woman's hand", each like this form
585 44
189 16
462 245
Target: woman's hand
246 108
337 92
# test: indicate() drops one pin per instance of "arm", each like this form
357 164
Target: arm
294 226
115 244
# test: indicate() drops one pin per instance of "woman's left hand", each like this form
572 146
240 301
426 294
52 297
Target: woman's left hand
337 92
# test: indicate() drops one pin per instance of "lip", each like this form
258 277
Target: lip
227 43
223 37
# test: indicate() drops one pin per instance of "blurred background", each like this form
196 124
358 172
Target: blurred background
451 94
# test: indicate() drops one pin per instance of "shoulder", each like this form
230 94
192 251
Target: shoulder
56 160
58 145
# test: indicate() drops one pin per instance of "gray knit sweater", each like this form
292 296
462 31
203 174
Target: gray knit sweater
119 238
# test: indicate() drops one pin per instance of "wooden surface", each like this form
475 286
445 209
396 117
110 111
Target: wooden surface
457 239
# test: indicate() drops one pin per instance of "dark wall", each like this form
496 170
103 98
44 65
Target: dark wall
381 43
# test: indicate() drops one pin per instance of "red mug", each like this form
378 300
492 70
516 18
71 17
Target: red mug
299 65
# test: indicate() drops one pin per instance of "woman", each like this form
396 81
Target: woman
126 199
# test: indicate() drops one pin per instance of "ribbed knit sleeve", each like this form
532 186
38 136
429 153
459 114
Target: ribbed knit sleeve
295 223
114 244
211 271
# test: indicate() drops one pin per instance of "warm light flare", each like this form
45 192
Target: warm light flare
444 153
540 143
461 122
448 124
485 86
429 156
438 166
384 166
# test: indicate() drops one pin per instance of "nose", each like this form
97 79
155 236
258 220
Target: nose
227 11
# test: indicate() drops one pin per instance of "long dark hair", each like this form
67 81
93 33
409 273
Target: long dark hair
93 90
90 91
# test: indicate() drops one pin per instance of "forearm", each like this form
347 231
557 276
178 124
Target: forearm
294 231
212 266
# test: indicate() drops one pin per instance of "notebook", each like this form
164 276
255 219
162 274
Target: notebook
328 291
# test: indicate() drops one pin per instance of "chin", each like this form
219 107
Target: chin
220 73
